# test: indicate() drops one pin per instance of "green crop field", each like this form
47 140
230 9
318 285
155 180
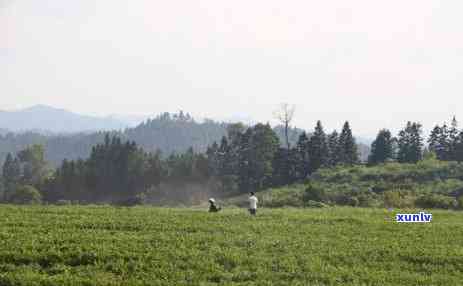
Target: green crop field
152 246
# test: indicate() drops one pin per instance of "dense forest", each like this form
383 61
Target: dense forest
167 133
247 158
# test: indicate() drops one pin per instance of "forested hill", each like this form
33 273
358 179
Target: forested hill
167 132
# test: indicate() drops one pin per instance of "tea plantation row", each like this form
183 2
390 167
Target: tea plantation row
76 245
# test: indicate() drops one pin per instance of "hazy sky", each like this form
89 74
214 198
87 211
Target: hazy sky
377 63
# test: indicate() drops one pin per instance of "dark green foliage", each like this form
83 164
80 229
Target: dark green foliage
447 143
410 143
314 193
293 135
27 168
33 165
121 172
167 132
318 148
302 148
287 167
391 185
438 142
382 149
460 202
334 149
258 147
25 195
436 201
458 156
11 176
347 147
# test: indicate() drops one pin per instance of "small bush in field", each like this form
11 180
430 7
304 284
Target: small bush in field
392 199
25 195
313 193
436 201
460 202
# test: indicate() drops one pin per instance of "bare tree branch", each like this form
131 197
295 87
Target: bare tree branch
285 114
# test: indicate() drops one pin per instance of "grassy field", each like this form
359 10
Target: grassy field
152 246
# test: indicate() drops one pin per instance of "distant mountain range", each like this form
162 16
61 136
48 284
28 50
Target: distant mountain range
42 118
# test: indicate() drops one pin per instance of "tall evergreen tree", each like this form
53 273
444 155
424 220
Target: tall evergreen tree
381 148
453 137
459 148
444 143
347 146
318 148
333 149
213 159
434 142
303 163
285 167
11 176
410 143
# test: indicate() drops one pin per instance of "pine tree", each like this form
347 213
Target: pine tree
444 143
348 148
434 142
410 144
381 148
303 163
11 175
318 148
453 137
212 153
458 156
333 149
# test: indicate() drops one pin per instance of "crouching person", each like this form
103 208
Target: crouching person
213 208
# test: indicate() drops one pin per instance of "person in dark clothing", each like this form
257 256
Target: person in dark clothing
213 208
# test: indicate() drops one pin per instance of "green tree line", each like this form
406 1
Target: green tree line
245 159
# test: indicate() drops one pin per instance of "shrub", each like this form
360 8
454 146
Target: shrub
436 201
24 195
460 202
313 193
352 201
392 199
345 200
367 200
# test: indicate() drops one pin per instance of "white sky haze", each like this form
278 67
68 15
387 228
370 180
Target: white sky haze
376 63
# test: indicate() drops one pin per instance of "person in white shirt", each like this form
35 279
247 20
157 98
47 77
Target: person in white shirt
253 204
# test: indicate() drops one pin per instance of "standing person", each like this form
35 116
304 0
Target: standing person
253 203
